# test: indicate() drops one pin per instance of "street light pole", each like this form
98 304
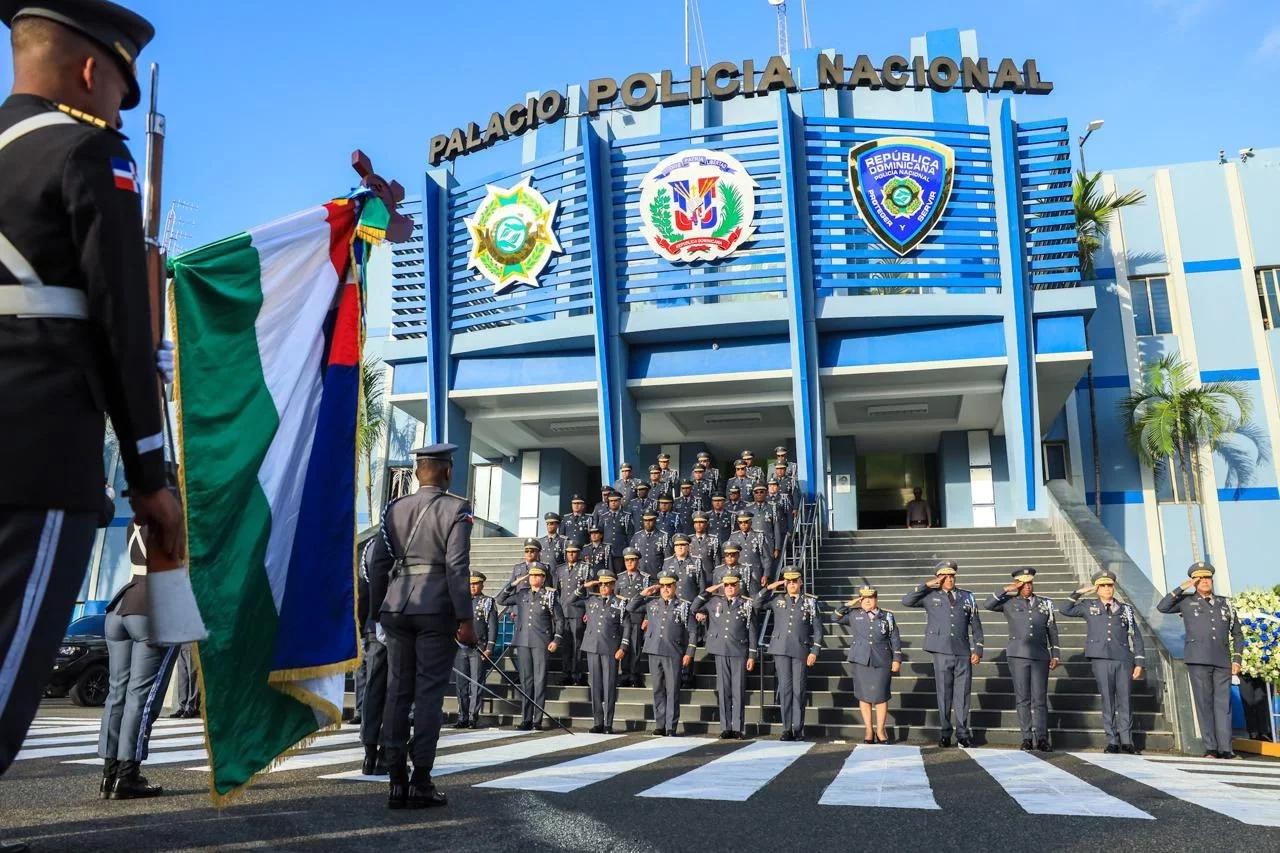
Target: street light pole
1093 396
1088 131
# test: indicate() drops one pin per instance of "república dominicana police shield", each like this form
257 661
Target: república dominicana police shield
901 185
697 205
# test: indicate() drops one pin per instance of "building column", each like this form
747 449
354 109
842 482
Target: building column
806 395
1021 415
843 500
619 419
445 420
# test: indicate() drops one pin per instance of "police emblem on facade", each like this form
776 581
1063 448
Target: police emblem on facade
511 236
901 185
697 205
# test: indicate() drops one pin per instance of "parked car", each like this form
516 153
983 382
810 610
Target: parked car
80 670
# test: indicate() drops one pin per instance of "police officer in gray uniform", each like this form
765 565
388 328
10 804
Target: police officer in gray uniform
690 581
605 642
754 472
731 640
539 620
665 620
739 482
720 520
1032 652
532 556
1215 643
1113 644
595 553
625 484
755 552
670 476
875 653
652 544
641 504
631 583
419 581
553 542
473 661
667 520
577 523
703 546
780 457
794 644
766 519
712 475
953 635
569 575
617 529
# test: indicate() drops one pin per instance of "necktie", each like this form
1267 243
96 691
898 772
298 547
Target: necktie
951 594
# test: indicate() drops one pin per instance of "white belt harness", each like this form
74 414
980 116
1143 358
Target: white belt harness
31 297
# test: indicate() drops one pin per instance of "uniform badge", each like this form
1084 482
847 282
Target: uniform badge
697 205
511 236
125 174
901 186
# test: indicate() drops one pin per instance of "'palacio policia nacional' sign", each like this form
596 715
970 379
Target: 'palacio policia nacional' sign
698 205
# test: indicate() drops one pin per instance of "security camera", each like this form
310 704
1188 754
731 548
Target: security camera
1246 153
1222 155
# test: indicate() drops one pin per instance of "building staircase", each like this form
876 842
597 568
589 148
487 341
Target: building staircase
893 561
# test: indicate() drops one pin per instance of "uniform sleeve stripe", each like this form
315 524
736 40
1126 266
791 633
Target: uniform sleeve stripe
150 443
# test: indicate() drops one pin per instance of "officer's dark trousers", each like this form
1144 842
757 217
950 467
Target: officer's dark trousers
139 678
602 671
731 685
531 663
792 683
420 651
665 672
43 555
470 663
1114 680
571 646
631 660
1031 693
953 677
375 692
1211 693
187 687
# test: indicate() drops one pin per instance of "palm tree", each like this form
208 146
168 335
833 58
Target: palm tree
1169 418
1094 209
371 420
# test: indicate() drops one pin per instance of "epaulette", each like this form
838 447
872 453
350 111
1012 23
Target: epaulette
78 115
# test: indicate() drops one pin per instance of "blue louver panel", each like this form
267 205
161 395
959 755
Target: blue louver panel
1044 172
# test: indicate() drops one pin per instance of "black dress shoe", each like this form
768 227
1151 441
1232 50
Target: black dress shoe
608 730
398 794
964 742
1228 755
525 727
424 795
596 730
581 681
566 681
624 682
131 785
673 732
1129 749
462 724
639 682
355 719
1025 746
13 847
726 735
659 732
109 770
1044 746
944 742
787 735
1111 749
178 714
1210 755
370 766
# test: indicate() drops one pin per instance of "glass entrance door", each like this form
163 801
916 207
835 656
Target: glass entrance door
886 484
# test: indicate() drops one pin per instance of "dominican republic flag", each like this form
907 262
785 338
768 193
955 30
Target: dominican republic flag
125 173
268 327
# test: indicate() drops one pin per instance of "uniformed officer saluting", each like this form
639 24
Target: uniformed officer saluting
875 650
473 661
731 639
1031 653
665 620
605 641
75 328
794 645
1113 645
1215 643
539 631
419 583
951 617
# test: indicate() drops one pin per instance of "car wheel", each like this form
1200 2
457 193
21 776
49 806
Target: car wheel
90 689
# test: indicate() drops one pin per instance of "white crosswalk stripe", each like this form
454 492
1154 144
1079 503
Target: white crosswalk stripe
1043 788
92 748
885 776
590 769
733 777
93 738
1247 805
450 741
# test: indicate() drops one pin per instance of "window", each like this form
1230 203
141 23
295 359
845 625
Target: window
1151 314
1055 461
1269 295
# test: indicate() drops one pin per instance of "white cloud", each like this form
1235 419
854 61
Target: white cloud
1270 46
1182 14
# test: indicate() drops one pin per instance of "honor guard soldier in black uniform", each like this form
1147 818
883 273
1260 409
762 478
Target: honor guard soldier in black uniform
794 644
570 575
1113 644
617 528
875 654
595 553
605 642
553 542
631 583
731 640
626 484
1215 643
575 525
539 631
75 328
665 620
473 661
419 581
1032 652
720 520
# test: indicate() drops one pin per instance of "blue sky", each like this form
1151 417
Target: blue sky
266 100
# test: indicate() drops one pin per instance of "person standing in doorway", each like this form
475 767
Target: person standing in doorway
919 513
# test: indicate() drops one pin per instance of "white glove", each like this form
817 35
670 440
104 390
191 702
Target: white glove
164 361
380 634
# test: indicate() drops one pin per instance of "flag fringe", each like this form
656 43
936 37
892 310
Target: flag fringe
277 678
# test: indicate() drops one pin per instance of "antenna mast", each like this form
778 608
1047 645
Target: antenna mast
784 43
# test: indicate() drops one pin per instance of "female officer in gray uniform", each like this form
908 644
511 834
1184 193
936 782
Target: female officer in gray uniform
875 651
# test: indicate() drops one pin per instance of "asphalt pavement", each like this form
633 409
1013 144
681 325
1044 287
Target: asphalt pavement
647 794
